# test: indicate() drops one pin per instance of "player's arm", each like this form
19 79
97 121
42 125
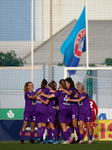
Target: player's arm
47 96
45 102
67 92
75 100
34 96
96 108
52 91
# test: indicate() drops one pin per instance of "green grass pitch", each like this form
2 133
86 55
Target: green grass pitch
15 145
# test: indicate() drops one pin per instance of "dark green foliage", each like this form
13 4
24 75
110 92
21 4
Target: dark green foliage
61 64
10 59
108 61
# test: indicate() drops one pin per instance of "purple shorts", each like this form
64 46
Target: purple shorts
74 112
29 115
86 117
41 115
52 117
65 116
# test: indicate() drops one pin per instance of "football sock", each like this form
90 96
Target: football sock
81 136
22 134
90 137
49 131
31 135
55 134
77 132
65 135
70 131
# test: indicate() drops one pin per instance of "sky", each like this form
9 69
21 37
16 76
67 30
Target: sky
15 18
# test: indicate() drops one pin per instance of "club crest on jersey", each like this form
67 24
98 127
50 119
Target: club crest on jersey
79 43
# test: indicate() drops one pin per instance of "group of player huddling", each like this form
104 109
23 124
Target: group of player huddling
64 109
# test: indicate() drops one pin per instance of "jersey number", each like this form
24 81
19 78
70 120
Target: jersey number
91 104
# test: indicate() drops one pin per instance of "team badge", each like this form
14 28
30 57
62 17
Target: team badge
79 43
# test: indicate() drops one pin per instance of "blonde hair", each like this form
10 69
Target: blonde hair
62 82
26 86
79 85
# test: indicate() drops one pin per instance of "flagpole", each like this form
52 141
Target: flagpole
51 53
87 51
32 40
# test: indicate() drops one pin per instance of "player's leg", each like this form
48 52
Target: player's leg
90 132
32 132
75 125
63 123
75 112
88 120
49 131
69 127
25 123
32 124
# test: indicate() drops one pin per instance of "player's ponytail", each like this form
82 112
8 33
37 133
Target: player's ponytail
26 86
44 83
62 82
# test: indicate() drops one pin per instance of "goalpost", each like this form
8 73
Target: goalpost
98 83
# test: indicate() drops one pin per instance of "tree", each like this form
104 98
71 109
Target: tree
10 59
108 62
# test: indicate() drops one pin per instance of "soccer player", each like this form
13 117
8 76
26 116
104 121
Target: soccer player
29 113
72 92
51 115
85 114
41 111
94 110
65 109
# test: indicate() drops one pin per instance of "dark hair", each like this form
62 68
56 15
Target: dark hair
26 86
51 85
62 82
71 82
44 83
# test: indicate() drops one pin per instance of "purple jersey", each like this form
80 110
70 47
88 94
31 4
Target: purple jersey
52 104
29 104
39 103
72 96
84 105
63 103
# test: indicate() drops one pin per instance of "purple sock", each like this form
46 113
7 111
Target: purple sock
55 134
57 129
90 137
42 131
65 135
77 132
22 134
39 132
81 136
31 135
70 131
62 134
49 131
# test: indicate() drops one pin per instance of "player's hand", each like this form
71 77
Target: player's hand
38 98
57 107
40 91
68 98
96 118
41 94
85 91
